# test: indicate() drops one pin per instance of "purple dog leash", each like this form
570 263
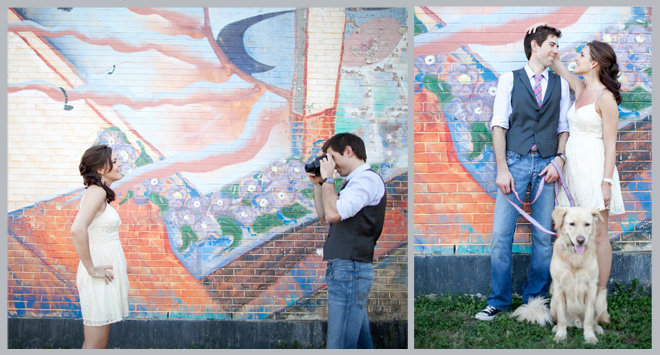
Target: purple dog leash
534 222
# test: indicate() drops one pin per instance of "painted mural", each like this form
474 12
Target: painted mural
213 114
459 55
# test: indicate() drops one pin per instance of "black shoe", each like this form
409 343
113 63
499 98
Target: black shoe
488 313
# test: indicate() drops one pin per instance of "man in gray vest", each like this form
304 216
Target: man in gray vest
356 216
529 130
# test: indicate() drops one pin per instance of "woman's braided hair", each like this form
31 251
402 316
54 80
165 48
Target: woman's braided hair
95 158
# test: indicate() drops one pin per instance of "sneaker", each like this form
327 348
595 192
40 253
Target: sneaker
488 313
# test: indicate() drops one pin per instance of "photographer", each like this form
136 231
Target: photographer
356 216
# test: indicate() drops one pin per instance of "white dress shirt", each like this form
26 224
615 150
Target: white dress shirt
364 188
502 106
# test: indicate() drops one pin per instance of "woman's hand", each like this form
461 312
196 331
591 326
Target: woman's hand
104 272
532 28
607 193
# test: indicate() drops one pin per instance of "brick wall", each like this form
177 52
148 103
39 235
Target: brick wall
460 52
213 113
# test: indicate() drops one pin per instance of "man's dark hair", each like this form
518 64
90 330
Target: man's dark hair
339 141
540 35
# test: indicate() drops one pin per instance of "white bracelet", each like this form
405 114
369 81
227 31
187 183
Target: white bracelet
608 180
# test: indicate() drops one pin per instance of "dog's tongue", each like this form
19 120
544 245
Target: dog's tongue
579 249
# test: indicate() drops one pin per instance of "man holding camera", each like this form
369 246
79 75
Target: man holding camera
356 216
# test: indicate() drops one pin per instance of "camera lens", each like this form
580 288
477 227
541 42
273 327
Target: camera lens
315 166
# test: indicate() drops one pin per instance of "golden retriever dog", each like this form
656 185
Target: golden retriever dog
576 300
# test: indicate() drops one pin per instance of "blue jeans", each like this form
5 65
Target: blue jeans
349 283
525 170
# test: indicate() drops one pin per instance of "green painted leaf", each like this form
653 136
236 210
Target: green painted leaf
309 193
481 137
188 236
129 194
144 158
419 29
375 167
441 89
295 211
246 202
636 99
122 134
648 71
230 227
266 222
231 191
160 201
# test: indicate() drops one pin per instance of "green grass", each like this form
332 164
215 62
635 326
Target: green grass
447 322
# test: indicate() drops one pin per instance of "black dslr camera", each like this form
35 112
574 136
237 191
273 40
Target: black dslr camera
315 166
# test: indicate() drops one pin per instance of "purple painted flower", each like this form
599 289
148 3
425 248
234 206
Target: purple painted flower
154 185
219 204
171 216
280 196
176 195
288 173
248 188
186 217
430 64
266 203
197 205
245 214
637 40
125 153
463 79
140 194
112 138
457 110
205 226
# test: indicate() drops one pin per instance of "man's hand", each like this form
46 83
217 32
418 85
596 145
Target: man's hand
315 179
505 181
551 174
327 166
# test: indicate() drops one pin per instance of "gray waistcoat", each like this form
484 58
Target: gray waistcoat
529 124
355 238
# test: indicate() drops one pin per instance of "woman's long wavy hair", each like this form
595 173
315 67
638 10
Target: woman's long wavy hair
95 158
609 69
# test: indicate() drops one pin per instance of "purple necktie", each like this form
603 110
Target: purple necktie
538 89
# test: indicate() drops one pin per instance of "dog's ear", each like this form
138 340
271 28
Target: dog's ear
558 216
598 218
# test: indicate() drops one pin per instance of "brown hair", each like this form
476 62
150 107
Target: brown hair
540 35
95 158
339 141
609 69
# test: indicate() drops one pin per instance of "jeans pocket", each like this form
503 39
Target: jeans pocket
341 274
363 286
511 157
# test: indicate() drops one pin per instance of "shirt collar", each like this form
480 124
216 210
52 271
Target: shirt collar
530 72
358 170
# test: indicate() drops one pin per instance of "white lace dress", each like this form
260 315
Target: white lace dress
585 162
103 304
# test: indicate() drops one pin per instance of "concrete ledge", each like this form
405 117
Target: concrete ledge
470 274
40 333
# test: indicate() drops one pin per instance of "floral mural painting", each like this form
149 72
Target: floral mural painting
459 55
213 114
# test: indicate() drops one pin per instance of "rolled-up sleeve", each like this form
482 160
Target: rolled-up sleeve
502 105
564 106
365 189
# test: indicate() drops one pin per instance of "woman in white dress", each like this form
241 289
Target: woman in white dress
590 170
102 280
